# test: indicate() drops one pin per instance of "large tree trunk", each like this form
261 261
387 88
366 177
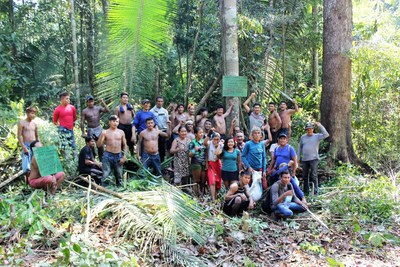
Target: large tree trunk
230 48
336 80
315 54
75 56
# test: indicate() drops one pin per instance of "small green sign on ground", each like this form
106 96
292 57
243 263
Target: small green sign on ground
234 86
47 160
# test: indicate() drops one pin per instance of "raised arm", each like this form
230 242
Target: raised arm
324 132
296 107
229 110
105 108
247 102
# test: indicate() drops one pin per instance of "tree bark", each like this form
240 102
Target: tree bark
230 49
315 54
336 80
75 56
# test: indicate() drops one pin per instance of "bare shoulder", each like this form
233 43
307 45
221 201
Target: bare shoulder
234 187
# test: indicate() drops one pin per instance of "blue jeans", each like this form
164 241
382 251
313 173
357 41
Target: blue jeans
287 209
148 159
111 160
67 137
26 158
310 168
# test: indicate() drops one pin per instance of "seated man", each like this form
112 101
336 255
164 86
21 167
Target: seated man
87 163
50 183
275 177
284 200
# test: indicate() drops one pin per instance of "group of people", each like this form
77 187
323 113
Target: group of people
203 148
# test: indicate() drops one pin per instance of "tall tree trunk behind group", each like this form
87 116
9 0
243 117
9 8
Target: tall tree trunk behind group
315 54
230 47
336 80
90 44
75 56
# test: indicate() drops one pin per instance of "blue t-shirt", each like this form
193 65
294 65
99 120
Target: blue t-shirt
140 120
229 160
283 155
254 155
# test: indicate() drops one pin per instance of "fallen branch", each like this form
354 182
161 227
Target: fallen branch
318 219
210 90
88 209
12 178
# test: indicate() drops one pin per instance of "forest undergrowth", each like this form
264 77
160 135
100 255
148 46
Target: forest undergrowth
162 226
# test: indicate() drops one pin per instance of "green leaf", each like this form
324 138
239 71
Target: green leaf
334 263
376 239
67 255
77 248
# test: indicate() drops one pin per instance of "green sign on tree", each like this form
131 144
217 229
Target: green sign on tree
47 160
234 86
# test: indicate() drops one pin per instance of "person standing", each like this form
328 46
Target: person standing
274 121
27 133
286 117
148 141
231 162
180 149
139 123
125 114
197 150
254 158
308 154
256 118
162 118
116 148
91 114
65 116
214 165
219 119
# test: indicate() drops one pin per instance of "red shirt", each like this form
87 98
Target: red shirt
65 115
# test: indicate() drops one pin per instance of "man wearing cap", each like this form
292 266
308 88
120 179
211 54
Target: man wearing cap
139 123
162 119
308 154
91 114
125 114
283 153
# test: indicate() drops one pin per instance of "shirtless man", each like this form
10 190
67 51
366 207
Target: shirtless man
190 114
50 183
256 119
201 118
286 117
274 121
113 157
27 133
126 114
149 138
178 115
219 119
91 115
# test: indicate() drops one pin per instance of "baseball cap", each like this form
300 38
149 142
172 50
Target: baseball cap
89 97
144 101
282 135
309 126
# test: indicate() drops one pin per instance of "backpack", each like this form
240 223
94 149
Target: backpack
267 201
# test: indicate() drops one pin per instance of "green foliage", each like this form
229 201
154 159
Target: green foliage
361 198
313 247
81 254
334 263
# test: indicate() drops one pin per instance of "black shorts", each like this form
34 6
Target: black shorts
230 176
127 128
228 207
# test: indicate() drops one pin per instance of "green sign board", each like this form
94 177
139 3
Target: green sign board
47 160
234 86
